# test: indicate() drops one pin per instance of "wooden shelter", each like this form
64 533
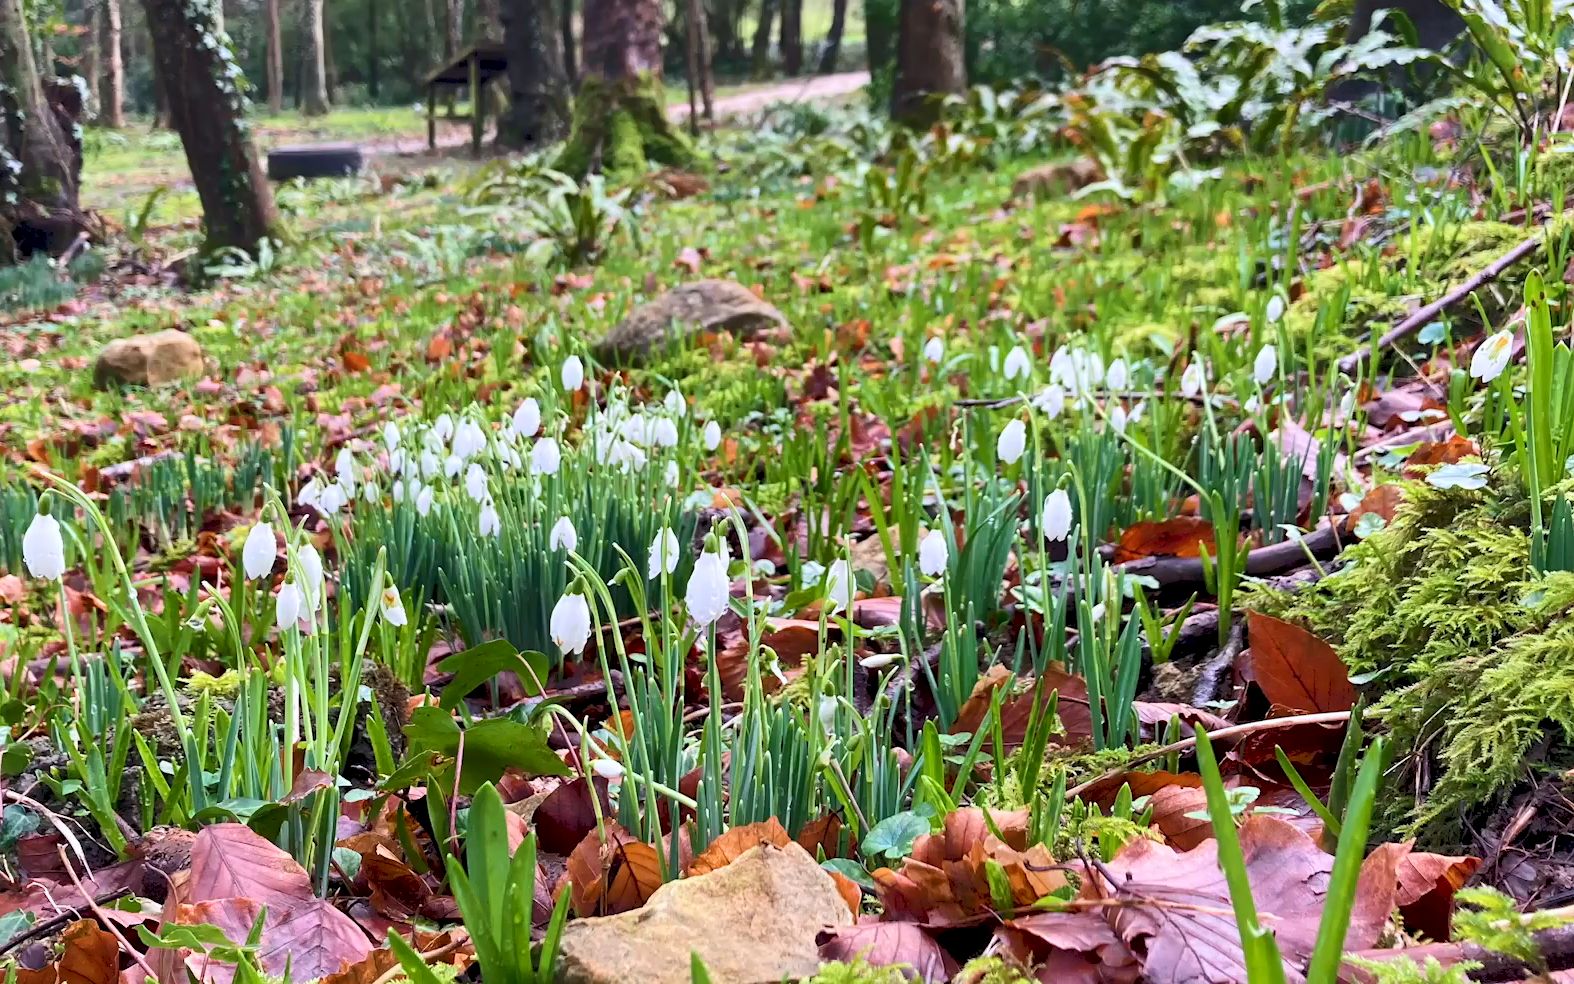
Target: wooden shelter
472 68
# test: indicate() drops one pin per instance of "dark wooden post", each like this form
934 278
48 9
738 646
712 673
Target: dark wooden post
431 116
477 110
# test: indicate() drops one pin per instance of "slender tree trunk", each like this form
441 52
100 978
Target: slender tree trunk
929 59
314 100
833 38
454 27
620 122
112 103
93 56
207 108
698 50
39 170
570 58
374 55
760 54
880 17
274 28
792 36
538 110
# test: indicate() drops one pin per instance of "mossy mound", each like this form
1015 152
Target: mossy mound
622 128
1471 653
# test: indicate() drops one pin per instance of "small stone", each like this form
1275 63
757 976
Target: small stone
148 360
1061 178
704 305
751 922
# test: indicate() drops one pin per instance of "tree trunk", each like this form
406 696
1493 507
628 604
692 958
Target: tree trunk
314 99
374 55
880 17
792 37
273 27
833 39
929 59
538 112
570 68
112 101
760 54
722 18
698 51
489 20
39 171
207 109
620 122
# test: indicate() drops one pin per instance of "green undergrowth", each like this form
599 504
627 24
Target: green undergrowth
1471 655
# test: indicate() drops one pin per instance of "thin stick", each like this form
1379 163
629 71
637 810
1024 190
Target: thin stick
1325 717
70 915
1426 315
430 955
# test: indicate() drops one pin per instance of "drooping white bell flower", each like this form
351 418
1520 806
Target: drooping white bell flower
332 499
1062 369
664 433
563 535
423 500
1012 441
545 457
396 461
258 552
934 350
469 440
1492 356
570 623
527 419
309 561
706 594
840 585
475 482
1018 365
1055 518
1051 401
933 554
663 554
573 374
431 464
442 428
393 607
398 490
669 475
608 769
310 494
1265 365
43 549
491 524
1117 377
452 466
287 607
1192 379
1274 309
1117 418
391 435
675 404
712 435
344 470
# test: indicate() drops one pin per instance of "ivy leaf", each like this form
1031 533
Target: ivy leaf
893 837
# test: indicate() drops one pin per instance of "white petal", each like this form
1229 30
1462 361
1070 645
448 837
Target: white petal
258 552
43 550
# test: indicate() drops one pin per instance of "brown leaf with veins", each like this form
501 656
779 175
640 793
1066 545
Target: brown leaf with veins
1427 883
611 876
725 849
228 860
1180 536
88 955
1296 670
890 944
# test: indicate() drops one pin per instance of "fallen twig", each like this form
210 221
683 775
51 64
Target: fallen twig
1427 314
1322 543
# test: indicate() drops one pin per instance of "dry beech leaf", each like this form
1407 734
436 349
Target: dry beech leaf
1181 536
725 849
1296 670
890 944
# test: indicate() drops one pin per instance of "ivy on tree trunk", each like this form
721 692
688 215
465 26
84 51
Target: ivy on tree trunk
39 166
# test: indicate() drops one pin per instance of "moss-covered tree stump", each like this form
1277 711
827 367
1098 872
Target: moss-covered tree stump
621 127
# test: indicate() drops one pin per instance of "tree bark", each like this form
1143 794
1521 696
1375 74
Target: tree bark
207 109
570 66
792 36
833 38
39 169
314 99
374 55
697 37
274 29
760 53
112 100
93 55
538 110
930 62
880 18
620 121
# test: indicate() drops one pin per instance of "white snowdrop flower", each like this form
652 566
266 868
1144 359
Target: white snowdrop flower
706 594
1098 612
332 499
933 554
934 350
629 456
391 436
490 523
43 549
827 714
1274 309
1055 517
1051 401
670 475
1265 365
423 500
442 428
469 440
309 563
675 404
369 491
508 455
287 607
310 494
398 490
1061 368
475 482
527 419
570 623
1118 376
879 661
545 457
258 552
1135 413
452 466
393 607
664 433
1012 441
663 554
563 535
606 768
1347 403
1251 405
431 464
396 460
1192 379
712 435
344 470
1491 356
1117 418
1018 365
840 585
573 374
